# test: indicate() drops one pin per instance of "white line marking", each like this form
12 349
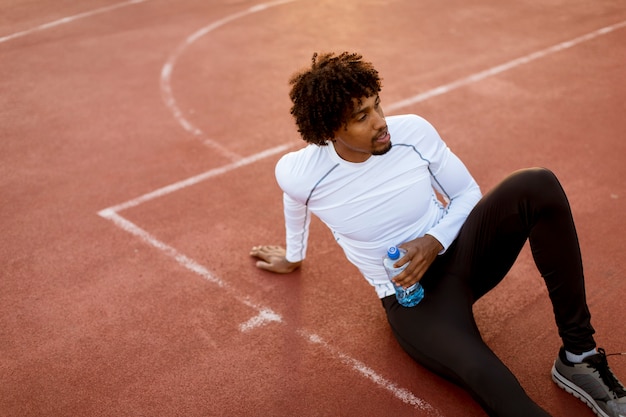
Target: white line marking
402 394
265 316
183 260
199 178
443 89
503 67
168 68
69 19
390 107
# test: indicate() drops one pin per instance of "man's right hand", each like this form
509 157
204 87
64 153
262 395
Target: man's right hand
272 258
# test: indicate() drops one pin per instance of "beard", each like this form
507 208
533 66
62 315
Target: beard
383 151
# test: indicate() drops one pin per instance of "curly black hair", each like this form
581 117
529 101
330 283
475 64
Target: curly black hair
323 95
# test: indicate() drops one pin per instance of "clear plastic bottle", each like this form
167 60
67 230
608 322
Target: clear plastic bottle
408 297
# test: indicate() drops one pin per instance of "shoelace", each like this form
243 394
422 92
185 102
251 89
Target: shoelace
601 365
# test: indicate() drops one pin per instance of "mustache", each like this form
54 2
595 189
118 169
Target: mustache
380 133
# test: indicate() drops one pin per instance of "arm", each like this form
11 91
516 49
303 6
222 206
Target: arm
276 258
450 177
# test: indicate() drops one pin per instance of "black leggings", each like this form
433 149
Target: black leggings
440 332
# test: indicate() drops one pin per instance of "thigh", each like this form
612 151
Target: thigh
497 229
432 331
440 333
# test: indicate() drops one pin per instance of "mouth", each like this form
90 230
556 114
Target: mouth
383 137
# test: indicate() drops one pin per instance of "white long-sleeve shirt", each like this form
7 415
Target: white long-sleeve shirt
386 200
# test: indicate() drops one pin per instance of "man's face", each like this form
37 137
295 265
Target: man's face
365 132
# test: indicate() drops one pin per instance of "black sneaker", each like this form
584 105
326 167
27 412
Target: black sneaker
593 382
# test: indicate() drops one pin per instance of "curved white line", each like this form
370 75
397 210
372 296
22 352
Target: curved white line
166 73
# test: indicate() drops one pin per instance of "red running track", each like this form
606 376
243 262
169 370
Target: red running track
139 140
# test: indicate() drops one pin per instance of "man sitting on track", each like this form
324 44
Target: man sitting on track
371 180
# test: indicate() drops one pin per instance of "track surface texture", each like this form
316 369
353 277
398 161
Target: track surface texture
136 172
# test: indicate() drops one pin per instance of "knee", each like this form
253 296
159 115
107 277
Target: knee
538 176
539 183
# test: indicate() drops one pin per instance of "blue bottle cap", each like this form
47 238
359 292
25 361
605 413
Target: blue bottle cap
393 253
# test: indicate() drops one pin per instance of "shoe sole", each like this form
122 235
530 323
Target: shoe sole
573 389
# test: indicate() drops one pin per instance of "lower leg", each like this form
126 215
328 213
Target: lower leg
556 251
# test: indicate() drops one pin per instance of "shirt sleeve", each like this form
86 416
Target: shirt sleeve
451 178
297 221
296 212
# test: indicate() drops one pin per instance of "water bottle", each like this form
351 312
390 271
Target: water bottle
407 297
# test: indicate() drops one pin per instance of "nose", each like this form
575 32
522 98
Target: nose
379 120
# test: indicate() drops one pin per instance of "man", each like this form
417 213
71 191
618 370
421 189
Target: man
375 181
